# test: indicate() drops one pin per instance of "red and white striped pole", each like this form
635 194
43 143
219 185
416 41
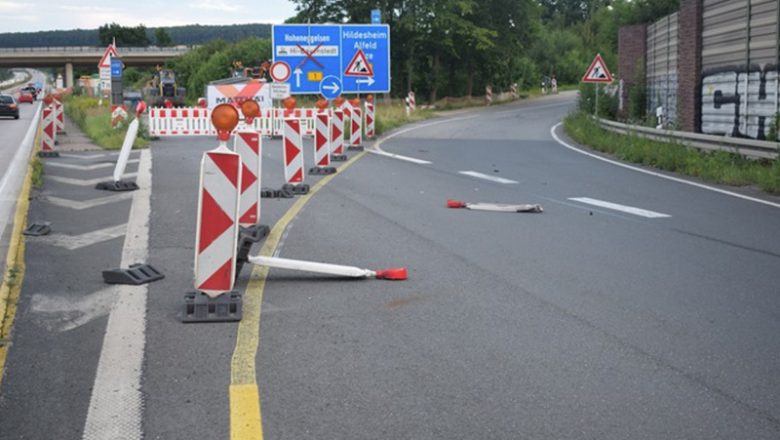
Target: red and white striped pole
411 104
370 117
293 156
356 126
248 144
337 136
488 95
59 114
49 134
216 239
322 145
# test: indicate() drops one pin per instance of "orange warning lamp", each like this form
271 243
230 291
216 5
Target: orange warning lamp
321 104
338 102
140 108
202 102
250 109
370 99
48 99
289 103
225 119
355 102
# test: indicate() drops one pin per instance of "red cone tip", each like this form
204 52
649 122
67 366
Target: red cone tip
223 135
392 274
455 204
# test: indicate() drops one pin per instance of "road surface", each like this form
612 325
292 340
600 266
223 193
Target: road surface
633 307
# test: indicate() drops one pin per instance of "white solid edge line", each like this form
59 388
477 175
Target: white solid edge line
116 404
662 176
622 208
400 157
488 177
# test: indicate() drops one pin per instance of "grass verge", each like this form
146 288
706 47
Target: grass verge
717 167
95 122
37 172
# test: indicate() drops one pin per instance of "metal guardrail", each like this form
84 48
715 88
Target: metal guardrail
750 148
90 49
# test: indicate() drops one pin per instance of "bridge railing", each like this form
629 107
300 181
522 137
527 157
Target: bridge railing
90 49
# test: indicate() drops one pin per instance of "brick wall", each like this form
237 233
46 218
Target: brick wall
689 65
632 48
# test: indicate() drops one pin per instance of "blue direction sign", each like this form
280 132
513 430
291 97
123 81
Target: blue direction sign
357 55
331 87
376 16
116 67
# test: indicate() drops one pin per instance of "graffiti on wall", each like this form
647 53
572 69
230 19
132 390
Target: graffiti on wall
739 102
662 92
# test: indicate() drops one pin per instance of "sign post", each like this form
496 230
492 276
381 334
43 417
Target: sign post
356 55
597 73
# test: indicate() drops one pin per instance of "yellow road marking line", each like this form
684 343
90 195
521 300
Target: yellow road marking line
246 421
15 267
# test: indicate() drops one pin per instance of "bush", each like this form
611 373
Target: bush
608 103
718 166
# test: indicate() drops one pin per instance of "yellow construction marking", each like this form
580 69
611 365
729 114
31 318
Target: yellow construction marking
246 422
11 284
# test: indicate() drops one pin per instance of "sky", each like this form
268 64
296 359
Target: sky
43 15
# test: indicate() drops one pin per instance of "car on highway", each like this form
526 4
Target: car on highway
9 106
26 96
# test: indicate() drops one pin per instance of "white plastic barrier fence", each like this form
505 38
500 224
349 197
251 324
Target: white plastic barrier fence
196 121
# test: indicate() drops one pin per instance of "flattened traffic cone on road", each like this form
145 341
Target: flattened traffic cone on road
397 274
495 207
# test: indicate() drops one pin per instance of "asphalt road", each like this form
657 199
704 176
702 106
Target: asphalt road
651 314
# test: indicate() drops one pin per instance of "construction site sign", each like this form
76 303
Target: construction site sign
597 72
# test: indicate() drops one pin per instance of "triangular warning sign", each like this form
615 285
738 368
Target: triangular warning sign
105 61
597 72
359 66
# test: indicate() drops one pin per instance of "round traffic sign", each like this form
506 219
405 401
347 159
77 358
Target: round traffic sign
331 87
280 71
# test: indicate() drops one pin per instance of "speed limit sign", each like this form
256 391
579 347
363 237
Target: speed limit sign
280 71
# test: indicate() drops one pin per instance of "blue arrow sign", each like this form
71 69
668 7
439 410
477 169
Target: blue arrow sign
116 67
316 52
376 16
331 87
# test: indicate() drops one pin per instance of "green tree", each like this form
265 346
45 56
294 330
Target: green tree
162 37
124 36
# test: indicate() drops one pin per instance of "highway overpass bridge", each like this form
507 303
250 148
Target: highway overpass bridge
88 56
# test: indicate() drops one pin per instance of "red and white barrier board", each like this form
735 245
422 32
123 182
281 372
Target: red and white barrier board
59 115
248 145
370 120
49 135
185 121
356 132
293 151
337 132
196 121
216 239
322 140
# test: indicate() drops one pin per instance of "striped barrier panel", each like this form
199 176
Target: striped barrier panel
216 239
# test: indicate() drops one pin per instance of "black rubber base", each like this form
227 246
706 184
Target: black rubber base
339 157
355 148
199 307
38 229
268 193
299 189
48 154
322 171
248 236
118 186
135 275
